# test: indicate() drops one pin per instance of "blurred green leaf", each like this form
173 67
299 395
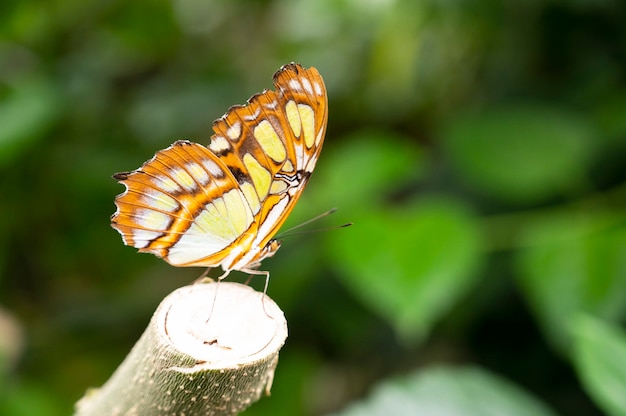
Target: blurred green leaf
609 115
31 399
410 264
290 385
574 264
26 111
146 26
395 53
600 357
520 153
448 392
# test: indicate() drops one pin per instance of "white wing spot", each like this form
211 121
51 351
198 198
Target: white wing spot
319 137
307 86
295 85
300 157
183 178
142 238
198 173
166 184
253 117
213 168
234 131
272 105
311 165
318 89
219 144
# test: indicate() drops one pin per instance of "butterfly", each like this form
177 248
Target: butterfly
220 206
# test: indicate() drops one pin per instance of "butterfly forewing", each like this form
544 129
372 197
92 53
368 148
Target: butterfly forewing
281 137
221 205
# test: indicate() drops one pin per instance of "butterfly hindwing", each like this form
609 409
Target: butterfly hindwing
279 143
182 205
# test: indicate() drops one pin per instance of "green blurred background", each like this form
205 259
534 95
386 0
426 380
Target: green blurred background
478 146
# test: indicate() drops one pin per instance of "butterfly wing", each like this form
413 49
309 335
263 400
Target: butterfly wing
272 145
221 205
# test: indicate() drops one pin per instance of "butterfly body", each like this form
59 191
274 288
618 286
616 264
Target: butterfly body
221 205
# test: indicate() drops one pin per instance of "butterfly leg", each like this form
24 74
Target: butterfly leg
267 282
265 273
249 279
217 286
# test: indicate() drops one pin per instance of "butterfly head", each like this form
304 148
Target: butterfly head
252 259
269 250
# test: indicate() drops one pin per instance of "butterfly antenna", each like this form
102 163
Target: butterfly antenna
315 230
290 232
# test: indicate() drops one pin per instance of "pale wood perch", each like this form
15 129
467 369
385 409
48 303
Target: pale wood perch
186 365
